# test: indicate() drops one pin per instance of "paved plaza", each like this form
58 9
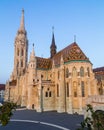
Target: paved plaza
31 120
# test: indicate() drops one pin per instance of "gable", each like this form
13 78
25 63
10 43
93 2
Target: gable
70 53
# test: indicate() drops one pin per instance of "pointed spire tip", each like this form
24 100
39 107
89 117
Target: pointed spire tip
22 10
22 26
74 38
53 29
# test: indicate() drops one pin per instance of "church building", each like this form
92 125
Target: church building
59 83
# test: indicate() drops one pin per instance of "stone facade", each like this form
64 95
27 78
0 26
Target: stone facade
60 83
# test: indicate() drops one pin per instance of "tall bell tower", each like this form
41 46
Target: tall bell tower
20 49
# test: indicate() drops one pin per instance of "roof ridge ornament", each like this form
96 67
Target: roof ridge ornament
74 38
52 29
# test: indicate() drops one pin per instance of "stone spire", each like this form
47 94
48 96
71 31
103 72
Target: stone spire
53 46
22 26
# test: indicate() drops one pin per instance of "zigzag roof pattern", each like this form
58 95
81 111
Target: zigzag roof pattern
70 53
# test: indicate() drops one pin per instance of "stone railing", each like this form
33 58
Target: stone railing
96 101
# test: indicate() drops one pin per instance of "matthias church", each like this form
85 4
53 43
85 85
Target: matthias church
63 82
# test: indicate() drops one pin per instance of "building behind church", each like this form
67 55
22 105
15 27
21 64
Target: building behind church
60 83
2 91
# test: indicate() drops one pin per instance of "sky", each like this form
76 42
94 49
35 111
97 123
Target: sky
83 18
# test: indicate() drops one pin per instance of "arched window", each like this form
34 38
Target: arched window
17 63
82 72
88 71
22 52
17 51
42 76
67 73
74 71
21 63
58 74
57 90
67 89
75 89
46 94
82 89
50 94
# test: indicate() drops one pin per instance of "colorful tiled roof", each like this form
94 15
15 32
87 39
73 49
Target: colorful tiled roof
43 63
70 53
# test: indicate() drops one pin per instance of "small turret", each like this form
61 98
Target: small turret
32 55
32 68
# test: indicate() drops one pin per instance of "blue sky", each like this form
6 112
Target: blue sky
83 18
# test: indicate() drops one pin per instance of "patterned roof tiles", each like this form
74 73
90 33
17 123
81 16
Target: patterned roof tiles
70 53
43 63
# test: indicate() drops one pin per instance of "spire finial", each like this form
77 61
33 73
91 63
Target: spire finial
22 10
33 47
74 38
52 29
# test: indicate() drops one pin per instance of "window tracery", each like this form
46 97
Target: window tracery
82 72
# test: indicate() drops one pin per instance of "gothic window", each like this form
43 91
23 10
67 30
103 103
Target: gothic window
22 52
88 71
57 90
50 94
46 94
42 76
21 63
67 89
82 72
58 74
67 72
75 89
17 51
17 63
82 88
74 71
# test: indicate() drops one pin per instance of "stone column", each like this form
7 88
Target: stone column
89 88
29 105
70 99
23 100
95 87
80 97
40 97
62 91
